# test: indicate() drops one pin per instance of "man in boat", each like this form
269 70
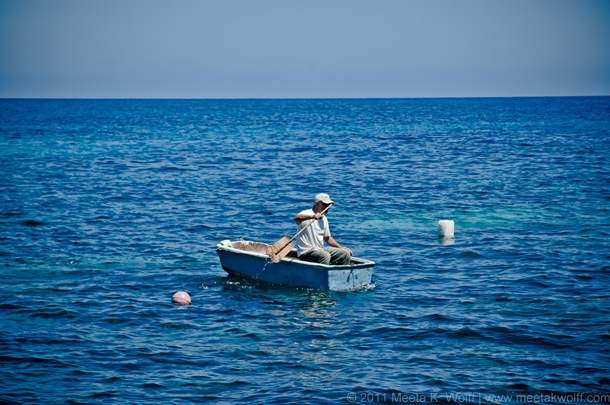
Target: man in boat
310 242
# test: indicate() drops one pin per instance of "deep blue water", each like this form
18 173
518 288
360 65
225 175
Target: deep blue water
108 207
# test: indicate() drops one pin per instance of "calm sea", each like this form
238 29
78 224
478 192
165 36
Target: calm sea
108 207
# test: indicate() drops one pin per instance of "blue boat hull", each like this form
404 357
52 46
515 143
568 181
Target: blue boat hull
249 259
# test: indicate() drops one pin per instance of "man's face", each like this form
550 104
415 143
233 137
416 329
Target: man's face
320 206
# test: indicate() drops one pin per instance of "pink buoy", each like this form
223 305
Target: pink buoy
181 297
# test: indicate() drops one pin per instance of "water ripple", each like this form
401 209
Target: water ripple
108 207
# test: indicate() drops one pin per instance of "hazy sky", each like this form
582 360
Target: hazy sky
303 48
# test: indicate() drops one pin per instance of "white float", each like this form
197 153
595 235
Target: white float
446 231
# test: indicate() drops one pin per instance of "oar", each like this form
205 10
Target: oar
282 247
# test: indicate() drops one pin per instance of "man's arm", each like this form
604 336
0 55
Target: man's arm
333 243
305 217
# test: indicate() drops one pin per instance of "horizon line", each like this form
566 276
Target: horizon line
298 98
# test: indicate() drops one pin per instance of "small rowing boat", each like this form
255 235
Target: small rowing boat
250 259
